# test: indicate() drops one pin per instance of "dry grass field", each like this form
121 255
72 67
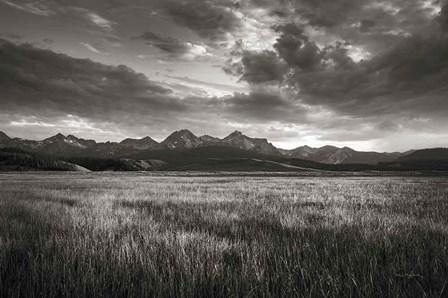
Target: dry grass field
109 235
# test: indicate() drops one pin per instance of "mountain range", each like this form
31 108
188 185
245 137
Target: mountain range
184 139
184 149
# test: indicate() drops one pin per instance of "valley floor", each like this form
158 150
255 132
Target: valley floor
206 235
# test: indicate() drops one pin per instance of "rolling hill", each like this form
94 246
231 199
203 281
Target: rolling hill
335 155
425 159
426 154
18 160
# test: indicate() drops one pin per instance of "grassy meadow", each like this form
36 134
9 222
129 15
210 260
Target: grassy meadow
139 235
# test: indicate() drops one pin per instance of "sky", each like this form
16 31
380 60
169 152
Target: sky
368 74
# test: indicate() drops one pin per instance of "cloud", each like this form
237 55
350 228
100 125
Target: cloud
215 87
443 17
100 21
261 105
262 67
48 8
92 17
366 24
40 86
254 67
409 79
10 36
93 49
370 65
209 19
294 47
113 41
175 48
34 7
40 81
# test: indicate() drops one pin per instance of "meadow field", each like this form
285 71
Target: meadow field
141 235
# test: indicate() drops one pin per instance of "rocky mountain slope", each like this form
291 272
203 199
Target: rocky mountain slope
182 139
240 141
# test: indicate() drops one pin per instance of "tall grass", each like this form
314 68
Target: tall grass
107 236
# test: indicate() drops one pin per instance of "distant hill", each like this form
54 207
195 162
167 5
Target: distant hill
425 159
145 143
426 154
335 155
14 159
17 160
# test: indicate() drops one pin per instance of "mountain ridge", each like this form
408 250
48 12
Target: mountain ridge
70 145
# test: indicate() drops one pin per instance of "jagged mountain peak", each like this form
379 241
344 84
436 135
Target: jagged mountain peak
182 139
236 135
237 140
183 132
72 137
56 137
59 135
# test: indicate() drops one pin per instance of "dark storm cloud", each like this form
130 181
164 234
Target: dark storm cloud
409 79
320 13
366 25
375 24
35 80
295 48
443 17
262 67
166 44
255 67
211 19
405 79
324 13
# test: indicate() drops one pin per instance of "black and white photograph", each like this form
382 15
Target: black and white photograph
223 148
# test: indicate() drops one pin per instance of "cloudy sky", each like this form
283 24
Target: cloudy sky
369 74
